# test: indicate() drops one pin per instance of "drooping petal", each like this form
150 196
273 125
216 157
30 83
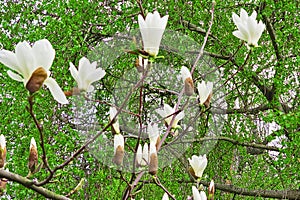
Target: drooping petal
9 59
15 76
56 91
44 53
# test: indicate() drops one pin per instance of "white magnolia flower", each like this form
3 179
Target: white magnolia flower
153 133
198 195
165 197
168 110
248 28
32 65
198 164
152 29
205 91
86 74
112 113
187 81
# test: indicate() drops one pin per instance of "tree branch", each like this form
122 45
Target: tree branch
30 184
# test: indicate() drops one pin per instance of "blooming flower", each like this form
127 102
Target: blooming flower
168 110
152 29
198 164
248 28
32 65
112 113
205 92
187 81
33 156
2 151
197 195
118 149
86 74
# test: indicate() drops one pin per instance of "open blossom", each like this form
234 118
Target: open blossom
2 151
152 29
86 74
198 164
205 92
31 66
168 110
118 149
198 195
248 28
187 81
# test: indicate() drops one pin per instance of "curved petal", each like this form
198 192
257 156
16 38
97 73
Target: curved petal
26 61
239 35
56 91
9 59
74 73
96 75
44 53
180 116
15 76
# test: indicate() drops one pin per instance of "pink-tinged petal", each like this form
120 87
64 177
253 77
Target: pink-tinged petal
44 53
56 91
15 76
254 15
26 60
9 59
243 15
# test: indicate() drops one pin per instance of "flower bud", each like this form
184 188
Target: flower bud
153 165
118 149
2 151
36 80
33 156
188 81
211 190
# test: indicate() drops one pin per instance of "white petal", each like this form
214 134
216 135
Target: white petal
203 92
9 59
15 76
196 194
56 91
74 73
2 141
243 15
26 61
139 154
180 115
145 159
32 143
44 53
118 141
239 35
203 195
165 197
185 73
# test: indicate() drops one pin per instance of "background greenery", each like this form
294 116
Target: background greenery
266 89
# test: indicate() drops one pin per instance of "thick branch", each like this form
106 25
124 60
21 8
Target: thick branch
279 194
30 184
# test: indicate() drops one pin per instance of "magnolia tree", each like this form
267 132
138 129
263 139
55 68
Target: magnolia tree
150 110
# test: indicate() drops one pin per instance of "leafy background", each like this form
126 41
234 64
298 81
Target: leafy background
76 27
